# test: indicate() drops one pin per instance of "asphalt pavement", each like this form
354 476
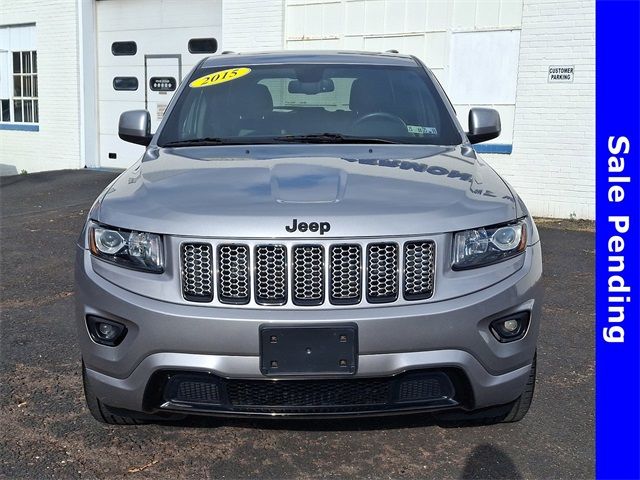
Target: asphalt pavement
46 431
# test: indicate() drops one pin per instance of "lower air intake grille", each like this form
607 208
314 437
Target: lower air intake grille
419 269
233 271
382 272
210 392
307 393
308 275
197 267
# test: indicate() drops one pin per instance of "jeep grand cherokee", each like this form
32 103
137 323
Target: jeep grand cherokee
309 234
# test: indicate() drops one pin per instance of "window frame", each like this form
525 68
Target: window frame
27 81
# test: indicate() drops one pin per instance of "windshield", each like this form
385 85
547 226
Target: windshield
309 104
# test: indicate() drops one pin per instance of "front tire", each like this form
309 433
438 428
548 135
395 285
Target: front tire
509 413
520 406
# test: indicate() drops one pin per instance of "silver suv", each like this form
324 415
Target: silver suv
309 234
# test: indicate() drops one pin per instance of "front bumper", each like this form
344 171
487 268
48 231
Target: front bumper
438 336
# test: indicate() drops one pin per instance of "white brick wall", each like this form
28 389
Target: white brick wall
252 25
57 144
553 162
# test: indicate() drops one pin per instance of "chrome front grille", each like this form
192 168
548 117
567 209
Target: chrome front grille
308 274
233 274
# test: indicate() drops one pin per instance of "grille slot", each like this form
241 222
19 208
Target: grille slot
197 272
233 274
382 272
345 276
308 275
419 269
271 274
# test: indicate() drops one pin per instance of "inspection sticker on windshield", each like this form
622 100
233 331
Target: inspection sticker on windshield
420 130
220 77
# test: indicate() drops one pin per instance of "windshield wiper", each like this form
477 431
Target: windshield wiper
194 142
329 138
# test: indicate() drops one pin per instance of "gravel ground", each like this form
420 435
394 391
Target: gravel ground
47 432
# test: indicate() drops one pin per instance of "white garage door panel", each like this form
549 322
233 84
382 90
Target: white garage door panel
126 153
152 42
106 90
484 67
483 72
116 15
354 18
158 27
109 114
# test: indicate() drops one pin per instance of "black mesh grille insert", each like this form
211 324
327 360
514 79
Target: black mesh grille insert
382 272
419 389
233 272
419 269
271 274
308 275
304 393
197 272
196 392
345 276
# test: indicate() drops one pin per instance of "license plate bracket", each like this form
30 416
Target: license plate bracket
308 350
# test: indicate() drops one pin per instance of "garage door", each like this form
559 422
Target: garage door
143 54
471 46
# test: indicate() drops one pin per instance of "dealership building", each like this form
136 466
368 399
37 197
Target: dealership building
68 68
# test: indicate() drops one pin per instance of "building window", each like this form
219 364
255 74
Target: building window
19 105
25 87
125 83
124 48
5 116
203 45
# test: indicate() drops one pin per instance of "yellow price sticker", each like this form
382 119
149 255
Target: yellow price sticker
220 77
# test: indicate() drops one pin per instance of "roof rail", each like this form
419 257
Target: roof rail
393 50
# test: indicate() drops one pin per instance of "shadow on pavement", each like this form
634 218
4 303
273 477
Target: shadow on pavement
487 461
317 425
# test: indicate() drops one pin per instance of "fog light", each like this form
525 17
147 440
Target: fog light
105 332
511 328
511 325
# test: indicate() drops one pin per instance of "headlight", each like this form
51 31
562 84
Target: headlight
138 250
484 246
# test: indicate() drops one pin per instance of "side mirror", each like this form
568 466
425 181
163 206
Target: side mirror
135 127
484 124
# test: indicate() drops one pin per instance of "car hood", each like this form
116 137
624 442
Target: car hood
380 190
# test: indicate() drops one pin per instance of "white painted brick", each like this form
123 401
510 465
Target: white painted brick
57 144
553 161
